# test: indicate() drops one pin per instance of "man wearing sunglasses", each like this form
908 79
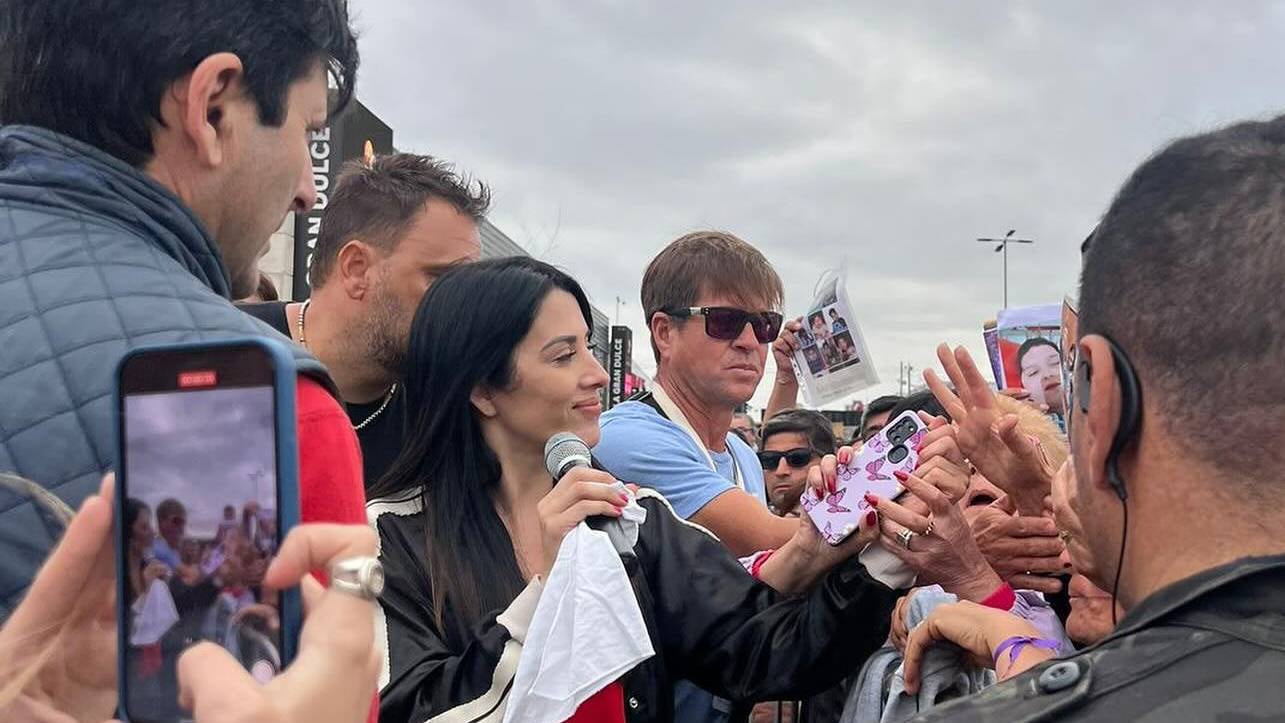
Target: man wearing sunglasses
712 302
793 441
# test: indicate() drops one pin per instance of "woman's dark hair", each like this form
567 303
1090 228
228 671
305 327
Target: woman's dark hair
1030 344
133 508
463 337
919 402
96 70
814 426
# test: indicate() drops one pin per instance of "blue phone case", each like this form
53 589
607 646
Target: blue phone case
287 455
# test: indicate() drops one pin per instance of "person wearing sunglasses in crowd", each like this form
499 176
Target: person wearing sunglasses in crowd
793 441
711 300
470 524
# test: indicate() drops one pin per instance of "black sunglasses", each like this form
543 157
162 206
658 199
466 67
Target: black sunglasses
797 458
727 323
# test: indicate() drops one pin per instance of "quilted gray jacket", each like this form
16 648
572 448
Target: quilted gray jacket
95 258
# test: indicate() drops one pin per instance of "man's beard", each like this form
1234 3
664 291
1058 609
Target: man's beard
387 334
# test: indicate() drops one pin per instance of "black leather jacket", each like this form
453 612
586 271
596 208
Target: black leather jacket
709 622
1208 648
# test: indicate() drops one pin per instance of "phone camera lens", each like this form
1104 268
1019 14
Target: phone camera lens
897 454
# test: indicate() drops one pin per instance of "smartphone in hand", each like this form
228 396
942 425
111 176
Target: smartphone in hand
839 513
206 489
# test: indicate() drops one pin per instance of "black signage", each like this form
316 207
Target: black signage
620 363
355 133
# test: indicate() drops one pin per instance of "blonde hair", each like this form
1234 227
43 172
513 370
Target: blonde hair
1033 422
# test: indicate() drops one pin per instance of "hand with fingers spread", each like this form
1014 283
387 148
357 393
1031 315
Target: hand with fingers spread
581 493
939 545
334 675
991 441
977 630
1025 551
58 648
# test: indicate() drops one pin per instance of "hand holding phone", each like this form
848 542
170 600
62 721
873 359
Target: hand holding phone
839 513
206 487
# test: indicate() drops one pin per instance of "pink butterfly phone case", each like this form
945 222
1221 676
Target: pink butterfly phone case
892 449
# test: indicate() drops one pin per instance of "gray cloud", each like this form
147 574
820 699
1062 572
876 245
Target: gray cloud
886 135
206 449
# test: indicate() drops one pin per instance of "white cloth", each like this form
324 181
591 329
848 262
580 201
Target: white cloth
154 615
587 630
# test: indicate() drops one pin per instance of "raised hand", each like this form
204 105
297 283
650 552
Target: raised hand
991 441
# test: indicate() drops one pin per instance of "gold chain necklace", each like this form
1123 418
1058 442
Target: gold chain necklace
303 341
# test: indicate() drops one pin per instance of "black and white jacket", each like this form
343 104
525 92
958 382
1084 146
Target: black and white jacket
709 622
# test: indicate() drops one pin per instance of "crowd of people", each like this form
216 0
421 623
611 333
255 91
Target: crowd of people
1126 567
183 589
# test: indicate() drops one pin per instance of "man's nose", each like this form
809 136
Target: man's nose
305 196
746 339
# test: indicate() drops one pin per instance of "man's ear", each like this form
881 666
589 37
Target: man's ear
1101 421
355 267
203 100
663 329
483 401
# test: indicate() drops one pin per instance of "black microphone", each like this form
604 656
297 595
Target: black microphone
565 450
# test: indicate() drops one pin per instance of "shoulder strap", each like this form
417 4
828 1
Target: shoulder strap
669 410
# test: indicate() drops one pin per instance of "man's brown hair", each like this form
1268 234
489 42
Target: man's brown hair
377 201
709 262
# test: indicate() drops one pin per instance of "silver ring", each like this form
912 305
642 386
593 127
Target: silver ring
906 536
360 576
929 530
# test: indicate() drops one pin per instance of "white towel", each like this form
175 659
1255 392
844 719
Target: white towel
154 615
586 633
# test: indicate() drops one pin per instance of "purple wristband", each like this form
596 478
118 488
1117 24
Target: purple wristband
1017 643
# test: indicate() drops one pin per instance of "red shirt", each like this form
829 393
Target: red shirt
330 481
605 706
330 484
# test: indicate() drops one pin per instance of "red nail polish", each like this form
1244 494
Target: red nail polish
874 501
871 518
901 475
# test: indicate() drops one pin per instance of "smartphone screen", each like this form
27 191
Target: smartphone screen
200 517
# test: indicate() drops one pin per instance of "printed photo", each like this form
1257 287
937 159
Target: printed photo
816 365
805 337
844 347
838 324
818 326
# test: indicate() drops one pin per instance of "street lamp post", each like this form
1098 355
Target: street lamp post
1003 246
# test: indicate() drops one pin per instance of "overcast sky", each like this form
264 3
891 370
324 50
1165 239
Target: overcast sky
886 135
206 449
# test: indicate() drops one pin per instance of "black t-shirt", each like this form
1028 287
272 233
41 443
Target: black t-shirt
381 440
